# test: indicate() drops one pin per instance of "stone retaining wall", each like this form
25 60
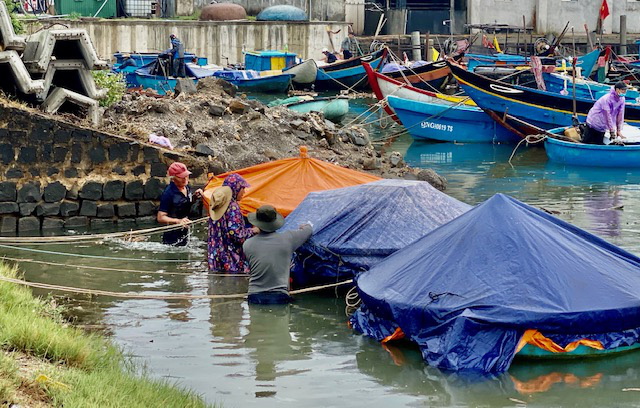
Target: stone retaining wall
57 175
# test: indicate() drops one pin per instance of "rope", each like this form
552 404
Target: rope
93 237
352 299
397 61
101 268
42 251
175 296
530 139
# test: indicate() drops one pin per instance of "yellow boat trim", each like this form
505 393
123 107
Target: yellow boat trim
527 103
456 99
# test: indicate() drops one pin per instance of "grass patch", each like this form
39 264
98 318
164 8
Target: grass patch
194 16
69 367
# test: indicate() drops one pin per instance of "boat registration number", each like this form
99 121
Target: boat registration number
436 126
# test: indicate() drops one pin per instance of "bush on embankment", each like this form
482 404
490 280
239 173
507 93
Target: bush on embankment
43 359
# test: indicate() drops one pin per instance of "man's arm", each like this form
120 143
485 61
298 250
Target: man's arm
300 236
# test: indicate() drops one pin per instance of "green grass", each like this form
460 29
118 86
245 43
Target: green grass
194 16
81 369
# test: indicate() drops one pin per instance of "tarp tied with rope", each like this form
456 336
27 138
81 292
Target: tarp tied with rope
468 292
356 227
285 183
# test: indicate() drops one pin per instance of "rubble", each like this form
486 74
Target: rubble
235 132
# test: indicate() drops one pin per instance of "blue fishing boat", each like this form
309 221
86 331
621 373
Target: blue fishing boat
333 108
543 109
348 73
252 81
449 123
144 58
585 88
581 154
154 76
586 62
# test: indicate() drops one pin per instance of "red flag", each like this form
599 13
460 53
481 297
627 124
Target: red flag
604 10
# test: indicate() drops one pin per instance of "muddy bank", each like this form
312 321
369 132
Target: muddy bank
231 132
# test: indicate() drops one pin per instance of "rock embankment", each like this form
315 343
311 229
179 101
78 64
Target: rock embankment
232 132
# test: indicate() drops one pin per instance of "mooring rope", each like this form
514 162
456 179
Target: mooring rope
102 268
110 258
93 237
174 296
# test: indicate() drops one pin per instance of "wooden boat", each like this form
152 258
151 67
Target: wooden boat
304 73
430 76
149 76
449 123
530 351
384 86
348 73
586 62
581 154
144 58
585 88
334 109
252 81
543 109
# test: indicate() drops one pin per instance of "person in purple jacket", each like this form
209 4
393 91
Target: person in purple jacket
606 114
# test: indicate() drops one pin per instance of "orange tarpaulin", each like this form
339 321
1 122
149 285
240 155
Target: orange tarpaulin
285 183
536 338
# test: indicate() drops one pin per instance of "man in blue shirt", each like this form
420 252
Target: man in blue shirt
175 205
177 54
329 57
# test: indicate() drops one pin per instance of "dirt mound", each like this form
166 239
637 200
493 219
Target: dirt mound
234 132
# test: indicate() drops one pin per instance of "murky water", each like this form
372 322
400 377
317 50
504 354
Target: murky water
304 354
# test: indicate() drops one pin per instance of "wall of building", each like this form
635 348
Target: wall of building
550 16
57 175
220 42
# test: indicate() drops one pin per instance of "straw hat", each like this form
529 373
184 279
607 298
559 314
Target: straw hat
219 200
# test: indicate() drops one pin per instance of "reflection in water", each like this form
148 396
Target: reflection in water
603 207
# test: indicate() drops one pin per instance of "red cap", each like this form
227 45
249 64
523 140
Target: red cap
178 169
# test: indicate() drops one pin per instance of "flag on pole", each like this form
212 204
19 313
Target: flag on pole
604 10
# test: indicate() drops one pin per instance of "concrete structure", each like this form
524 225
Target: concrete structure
550 16
220 42
60 96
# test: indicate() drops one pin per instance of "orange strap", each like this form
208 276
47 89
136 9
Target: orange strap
537 339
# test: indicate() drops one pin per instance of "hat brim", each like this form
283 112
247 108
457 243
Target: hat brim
218 207
266 226
183 174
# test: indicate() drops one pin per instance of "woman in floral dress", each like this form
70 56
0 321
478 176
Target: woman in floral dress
228 233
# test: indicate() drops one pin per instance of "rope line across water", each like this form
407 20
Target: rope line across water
93 237
111 258
102 268
174 296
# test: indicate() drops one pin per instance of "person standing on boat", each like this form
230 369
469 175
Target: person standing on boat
329 57
606 114
177 55
350 47
175 205
269 255
227 228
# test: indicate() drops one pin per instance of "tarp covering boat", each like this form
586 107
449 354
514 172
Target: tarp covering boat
357 227
160 67
285 183
468 291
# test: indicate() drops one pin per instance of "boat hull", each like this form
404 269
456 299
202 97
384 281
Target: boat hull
334 109
266 84
429 77
543 109
162 85
349 73
303 73
530 351
449 123
580 154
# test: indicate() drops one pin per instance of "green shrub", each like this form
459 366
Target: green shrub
113 83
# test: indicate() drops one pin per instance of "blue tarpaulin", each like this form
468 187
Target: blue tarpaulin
356 227
467 291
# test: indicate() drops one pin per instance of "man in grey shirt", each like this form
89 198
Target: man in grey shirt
269 255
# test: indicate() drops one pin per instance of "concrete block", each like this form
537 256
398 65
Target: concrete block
106 211
8 191
10 40
27 209
159 169
69 208
73 70
9 207
153 189
54 192
98 223
126 210
113 190
46 209
91 190
59 96
27 224
89 208
75 222
29 193
134 190
9 224
146 208
52 223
